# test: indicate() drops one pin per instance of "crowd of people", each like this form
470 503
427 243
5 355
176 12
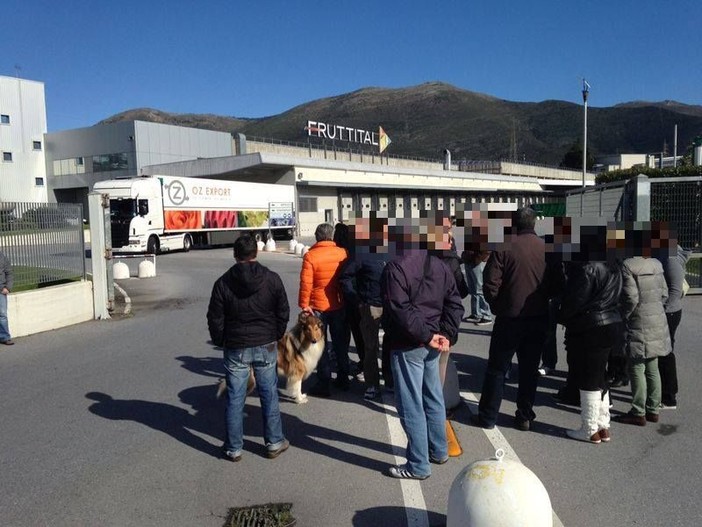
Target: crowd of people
397 286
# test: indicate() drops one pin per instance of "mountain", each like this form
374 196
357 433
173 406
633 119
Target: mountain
424 120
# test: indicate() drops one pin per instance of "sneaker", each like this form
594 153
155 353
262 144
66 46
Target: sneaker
231 455
7 342
372 392
402 472
471 318
669 405
272 454
483 322
544 371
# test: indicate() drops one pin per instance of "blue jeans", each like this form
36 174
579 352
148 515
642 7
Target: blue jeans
340 334
4 328
525 337
478 305
237 362
419 400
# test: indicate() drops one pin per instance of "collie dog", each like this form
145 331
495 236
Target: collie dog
299 352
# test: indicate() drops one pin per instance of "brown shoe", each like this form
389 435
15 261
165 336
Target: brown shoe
652 418
631 419
7 342
272 454
604 435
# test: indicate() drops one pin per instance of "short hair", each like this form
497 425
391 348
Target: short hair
324 232
524 218
245 248
341 235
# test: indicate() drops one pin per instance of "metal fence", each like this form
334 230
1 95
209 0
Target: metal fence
679 201
44 242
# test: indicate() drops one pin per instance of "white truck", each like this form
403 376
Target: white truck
151 214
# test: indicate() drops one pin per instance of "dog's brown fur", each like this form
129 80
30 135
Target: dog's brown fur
299 352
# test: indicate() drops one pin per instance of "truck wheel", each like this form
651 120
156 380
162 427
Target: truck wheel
187 243
152 247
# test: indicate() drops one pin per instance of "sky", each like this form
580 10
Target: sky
258 58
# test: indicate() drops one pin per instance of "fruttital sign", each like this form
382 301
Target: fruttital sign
351 135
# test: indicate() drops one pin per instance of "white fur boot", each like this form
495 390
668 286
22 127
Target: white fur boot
603 419
590 403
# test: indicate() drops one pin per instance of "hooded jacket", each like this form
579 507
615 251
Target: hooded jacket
248 307
643 296
319 277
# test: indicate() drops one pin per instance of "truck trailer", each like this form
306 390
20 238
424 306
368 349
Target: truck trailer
151 214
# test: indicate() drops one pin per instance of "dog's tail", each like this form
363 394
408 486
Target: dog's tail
250 385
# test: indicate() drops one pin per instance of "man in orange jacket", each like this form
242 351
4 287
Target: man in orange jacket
320 293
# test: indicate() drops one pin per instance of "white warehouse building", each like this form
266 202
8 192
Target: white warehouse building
22 129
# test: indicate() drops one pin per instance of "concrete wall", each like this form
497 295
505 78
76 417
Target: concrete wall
49 308
600 203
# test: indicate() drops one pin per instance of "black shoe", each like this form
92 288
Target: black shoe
475 420
522 424
320 390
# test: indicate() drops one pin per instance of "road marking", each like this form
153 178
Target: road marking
499 441
415 506
127 300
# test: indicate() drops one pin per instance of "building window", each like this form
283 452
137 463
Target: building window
308 204
7 156
39 181
36 145
4 119
79 161
109 162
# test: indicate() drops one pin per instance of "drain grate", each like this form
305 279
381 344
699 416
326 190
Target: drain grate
268 515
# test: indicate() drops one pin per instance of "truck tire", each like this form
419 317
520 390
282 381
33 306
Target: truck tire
153 245
187 243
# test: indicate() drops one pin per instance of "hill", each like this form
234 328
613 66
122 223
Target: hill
424 120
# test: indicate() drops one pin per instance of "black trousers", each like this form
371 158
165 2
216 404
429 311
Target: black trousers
521 335
666 365
589 352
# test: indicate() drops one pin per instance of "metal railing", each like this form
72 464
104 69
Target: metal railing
44 242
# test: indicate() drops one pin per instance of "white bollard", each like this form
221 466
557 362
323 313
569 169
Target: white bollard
498 492
292 244
304 250
147 269
120 271
298 249
270 245
260 245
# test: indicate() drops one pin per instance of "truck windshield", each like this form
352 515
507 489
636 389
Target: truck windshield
122 209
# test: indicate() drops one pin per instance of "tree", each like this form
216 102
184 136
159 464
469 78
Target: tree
573 158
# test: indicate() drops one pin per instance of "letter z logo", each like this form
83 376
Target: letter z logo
176 193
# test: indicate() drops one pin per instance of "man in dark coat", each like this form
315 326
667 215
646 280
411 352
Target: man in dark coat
422 311
515 285
247 315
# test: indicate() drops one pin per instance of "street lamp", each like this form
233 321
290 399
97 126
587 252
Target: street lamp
586 91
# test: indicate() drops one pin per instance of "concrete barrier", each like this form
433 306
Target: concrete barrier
49 308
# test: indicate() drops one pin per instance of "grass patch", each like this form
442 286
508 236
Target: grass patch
269 515
30 278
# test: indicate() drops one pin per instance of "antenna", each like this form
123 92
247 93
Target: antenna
18 69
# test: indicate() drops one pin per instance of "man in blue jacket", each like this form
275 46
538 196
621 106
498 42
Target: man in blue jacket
422 311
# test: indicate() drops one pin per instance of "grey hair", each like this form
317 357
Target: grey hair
524 218
324 232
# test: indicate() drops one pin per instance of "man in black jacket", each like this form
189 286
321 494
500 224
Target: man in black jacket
247 315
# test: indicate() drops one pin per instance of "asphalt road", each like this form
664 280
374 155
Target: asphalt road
114 423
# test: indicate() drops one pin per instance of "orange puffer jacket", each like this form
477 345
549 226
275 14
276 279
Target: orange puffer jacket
319 277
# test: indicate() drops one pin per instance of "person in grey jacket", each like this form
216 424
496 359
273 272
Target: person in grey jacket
674 271
644 294
5 288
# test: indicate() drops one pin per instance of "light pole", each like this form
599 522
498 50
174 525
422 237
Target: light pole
586 91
